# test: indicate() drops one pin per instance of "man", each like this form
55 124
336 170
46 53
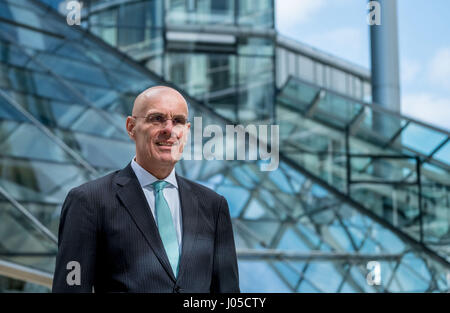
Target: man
144 228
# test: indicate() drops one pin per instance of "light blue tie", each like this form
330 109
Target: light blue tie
166 226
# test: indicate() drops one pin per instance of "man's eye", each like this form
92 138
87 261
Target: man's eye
180 121
157 118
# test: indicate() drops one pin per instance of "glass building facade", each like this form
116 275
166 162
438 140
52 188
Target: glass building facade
225 53
230 67
325 221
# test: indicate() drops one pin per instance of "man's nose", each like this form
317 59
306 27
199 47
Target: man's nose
167 126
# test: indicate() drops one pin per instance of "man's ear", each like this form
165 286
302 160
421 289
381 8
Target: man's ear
130 127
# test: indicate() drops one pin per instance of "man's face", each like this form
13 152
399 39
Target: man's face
160 128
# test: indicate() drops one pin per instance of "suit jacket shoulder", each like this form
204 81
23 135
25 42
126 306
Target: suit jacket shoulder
200 189
100 183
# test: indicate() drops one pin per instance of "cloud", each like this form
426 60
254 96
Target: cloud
409 69
427 107
439 68
424 98
291 13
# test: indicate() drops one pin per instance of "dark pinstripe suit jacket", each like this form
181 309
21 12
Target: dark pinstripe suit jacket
106 225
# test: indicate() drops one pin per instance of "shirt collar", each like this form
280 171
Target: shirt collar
145 178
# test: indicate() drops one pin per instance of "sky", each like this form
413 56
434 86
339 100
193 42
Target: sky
339 27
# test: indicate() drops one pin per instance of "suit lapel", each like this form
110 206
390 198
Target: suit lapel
189 216
133 198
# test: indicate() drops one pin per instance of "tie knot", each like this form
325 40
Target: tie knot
159 185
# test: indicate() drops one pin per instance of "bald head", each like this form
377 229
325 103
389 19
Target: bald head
152 96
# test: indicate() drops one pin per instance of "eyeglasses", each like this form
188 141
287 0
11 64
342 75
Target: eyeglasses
159 119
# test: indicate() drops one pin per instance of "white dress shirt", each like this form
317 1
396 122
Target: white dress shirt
170 193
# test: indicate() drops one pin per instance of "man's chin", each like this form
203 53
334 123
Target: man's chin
166 159
170 155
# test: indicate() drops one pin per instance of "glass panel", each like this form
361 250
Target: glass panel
18 235
383 169
33 82
435 203
29 181
378 127
237 198
443 154
13 285
337 111
290 275
421 139
324 275
256 210
258 276
71 69
398 205
113 155
297 95
95 123
29 38
255 46
264 231
32 145
200 12
257 14
15 11
291 241
12 55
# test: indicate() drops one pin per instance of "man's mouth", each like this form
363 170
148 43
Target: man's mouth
166 143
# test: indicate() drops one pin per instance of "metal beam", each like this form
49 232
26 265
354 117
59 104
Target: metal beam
374 106
30 217
357 120
46 131
314 103
273 254
24 273
322 57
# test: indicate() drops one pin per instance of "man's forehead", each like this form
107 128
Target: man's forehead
165 100
166 111
166 107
